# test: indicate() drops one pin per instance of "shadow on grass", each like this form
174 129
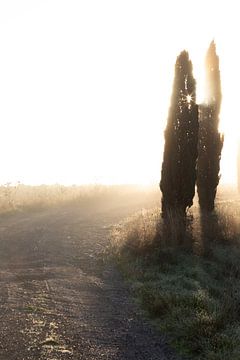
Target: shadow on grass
216 228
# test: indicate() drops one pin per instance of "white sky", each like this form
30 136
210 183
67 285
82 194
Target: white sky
85 85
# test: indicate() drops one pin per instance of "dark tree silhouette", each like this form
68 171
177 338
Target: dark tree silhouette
178 174
210 140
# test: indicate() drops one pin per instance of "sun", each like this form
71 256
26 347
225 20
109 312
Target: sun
189 98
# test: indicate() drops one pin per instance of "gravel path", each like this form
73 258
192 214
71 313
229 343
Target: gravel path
57 300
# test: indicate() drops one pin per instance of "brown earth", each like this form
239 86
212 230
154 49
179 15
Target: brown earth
58 300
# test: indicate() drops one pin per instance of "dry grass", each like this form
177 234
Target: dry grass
136 234
19 197
23 197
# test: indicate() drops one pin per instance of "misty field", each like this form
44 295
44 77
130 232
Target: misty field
188 290
19 197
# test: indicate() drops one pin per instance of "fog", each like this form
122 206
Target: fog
85 85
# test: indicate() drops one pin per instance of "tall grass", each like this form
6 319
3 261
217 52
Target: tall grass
189 289
21 197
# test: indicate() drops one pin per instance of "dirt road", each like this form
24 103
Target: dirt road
57 301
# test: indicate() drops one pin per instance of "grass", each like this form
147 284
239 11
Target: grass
189 290
19 197
23 197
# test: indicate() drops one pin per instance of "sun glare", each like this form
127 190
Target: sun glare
85 99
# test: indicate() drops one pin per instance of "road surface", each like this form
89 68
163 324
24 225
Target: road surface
57 298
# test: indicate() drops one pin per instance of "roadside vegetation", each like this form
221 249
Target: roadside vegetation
189 290
20 197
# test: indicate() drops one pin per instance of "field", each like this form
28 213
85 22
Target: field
19 197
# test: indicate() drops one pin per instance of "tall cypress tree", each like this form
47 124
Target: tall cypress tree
178 174
210 140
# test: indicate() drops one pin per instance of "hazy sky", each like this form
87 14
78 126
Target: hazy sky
85 85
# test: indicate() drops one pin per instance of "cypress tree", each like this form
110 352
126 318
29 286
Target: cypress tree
210 140
178 175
